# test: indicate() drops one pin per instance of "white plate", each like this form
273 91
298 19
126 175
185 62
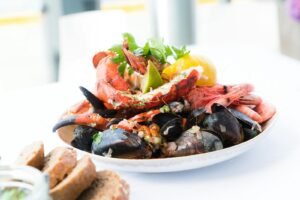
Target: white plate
169 164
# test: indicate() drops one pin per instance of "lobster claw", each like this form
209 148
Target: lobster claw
90 119
97 104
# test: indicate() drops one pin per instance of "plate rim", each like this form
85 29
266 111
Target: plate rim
149 164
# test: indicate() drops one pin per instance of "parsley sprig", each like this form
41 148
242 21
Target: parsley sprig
153 47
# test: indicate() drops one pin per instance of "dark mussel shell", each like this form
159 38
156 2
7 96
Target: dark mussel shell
224 125
250 133
196 117
83 137
193 141
210 141
97 104
120 144
246 121
187 144
170 125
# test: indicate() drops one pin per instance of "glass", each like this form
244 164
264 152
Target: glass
22 183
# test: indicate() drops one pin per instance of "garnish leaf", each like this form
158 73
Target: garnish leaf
130 70
138 52
177 52
165 109
120 57
146 48
153 47
122 68
131 41
97 137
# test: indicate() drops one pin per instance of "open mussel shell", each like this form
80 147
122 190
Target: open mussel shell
97 104
196 117
83 137
210 141
120 144
193 141
187 144
170 125
176 107
246 121
250 133
222 123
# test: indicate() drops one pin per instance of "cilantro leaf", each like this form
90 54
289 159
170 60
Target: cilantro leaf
146 48
122 68
157 49
138 52
130 70
120 57
97 137
153 47
165 109
178 52
131 41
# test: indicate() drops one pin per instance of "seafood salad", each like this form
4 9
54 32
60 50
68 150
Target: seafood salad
159 101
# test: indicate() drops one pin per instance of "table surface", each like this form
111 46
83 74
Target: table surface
268 171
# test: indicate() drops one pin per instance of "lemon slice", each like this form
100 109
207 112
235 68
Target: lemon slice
208 76
152 78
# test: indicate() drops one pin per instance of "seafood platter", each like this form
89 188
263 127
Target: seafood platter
158 108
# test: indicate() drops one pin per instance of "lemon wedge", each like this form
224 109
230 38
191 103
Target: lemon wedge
208 76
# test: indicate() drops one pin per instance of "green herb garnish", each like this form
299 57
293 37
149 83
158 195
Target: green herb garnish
165 109
120 57
130 70
131 41
122 68
97 137
153 47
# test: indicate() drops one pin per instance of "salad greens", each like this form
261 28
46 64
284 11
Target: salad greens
153 47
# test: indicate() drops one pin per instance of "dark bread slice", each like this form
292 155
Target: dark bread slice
32 155
76 182
107 186
59 163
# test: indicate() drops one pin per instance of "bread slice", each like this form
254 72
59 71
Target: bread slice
77 181
59 163
107 186
32 155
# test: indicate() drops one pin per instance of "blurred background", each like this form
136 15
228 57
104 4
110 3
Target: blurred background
45 41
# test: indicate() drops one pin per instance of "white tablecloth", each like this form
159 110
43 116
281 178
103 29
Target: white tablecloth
268 171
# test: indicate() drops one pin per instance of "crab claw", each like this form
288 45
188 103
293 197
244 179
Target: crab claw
91 119
97 104
98 57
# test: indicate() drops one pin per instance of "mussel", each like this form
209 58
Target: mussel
170 125
193 141
176 107
97 104
250 133
210 141
187 144
246 121
223 124
83 137
196 117
251 128
120 144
